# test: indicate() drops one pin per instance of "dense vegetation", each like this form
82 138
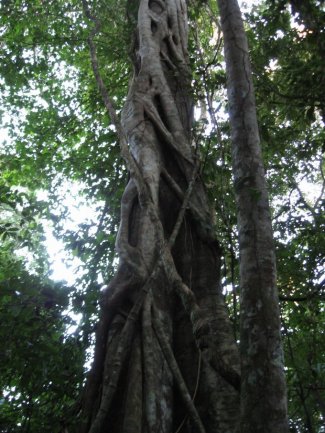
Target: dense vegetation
58 137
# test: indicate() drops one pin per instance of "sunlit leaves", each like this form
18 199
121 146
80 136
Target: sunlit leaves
59 135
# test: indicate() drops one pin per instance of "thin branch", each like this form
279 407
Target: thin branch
94 62
131 163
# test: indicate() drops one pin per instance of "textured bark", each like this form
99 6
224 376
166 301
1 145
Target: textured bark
263 391
165 357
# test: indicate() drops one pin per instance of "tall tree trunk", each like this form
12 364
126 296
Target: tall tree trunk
165 357
263 390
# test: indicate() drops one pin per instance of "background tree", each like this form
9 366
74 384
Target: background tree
263 389
292 133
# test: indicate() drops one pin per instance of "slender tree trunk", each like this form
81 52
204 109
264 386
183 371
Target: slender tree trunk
263 390
165 357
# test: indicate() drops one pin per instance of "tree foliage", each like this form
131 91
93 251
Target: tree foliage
57 133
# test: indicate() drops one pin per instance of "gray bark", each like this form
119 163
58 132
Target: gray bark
263 390
165 357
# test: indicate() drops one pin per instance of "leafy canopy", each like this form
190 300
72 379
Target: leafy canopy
57 134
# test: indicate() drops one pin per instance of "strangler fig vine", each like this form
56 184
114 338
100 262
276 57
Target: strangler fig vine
165 357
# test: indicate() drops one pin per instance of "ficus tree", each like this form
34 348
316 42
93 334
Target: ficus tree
164 307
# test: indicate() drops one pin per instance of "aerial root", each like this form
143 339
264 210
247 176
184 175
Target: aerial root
112 371
148 364
133 406
129 254
153 114
170 358
197 215
113 366
203 336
